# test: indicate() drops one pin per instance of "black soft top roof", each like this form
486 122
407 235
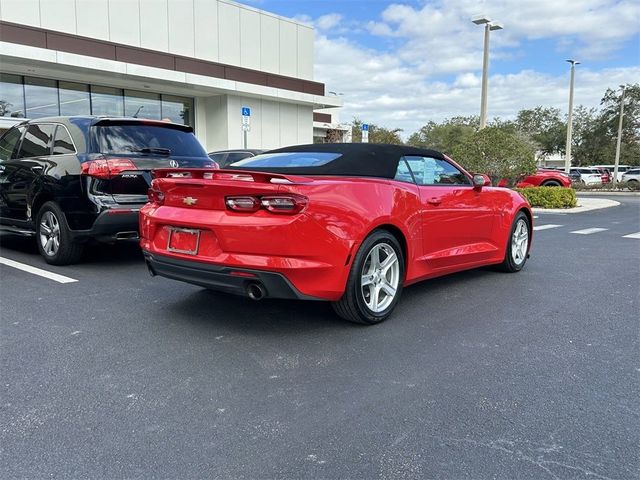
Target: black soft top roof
356 160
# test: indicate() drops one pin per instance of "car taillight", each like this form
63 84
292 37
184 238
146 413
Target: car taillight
106 169
286 204
155 196
243 204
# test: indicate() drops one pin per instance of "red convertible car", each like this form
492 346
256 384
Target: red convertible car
347 223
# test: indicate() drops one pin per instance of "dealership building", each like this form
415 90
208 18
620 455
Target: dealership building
197 62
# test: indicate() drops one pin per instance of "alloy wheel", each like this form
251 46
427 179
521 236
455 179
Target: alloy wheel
380 277
520 242
49 233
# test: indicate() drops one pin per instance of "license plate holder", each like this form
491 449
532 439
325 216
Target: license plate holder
183 240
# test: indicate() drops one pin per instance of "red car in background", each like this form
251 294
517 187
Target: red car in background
542 178
348 223
604 173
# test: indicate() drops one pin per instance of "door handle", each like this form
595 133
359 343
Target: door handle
434 201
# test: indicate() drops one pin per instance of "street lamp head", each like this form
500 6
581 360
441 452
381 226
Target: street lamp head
480 19
495 26
573 62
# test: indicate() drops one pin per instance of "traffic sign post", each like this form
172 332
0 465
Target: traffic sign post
365 133
246 123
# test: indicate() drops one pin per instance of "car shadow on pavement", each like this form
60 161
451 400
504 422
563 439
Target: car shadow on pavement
210 311
95 253
205 308
18 243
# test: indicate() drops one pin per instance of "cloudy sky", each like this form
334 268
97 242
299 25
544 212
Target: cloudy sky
401 64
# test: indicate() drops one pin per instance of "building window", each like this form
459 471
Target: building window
11 96
107 101
142 104
41 96
177 109
74 98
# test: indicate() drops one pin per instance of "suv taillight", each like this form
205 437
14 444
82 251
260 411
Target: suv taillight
284 204
106 169
155 196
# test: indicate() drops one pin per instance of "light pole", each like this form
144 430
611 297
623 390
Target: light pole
617 162
488 27
567 158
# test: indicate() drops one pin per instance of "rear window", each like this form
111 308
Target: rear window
287 159
127 138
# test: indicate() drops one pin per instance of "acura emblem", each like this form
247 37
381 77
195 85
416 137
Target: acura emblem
189 200
173 163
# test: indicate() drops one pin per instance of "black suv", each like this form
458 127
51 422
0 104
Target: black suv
65 180
224 158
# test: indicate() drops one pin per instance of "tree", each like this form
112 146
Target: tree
609 118
545 127
444 136
377 134
496 152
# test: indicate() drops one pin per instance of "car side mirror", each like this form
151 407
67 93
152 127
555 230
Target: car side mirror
481 180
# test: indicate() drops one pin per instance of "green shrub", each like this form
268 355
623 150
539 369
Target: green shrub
549 197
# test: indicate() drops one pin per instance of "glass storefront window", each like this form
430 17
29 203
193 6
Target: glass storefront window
177 109
11 96
142 104
41 97
107 101
74 98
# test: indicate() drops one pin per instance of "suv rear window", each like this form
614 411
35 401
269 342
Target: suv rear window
127 138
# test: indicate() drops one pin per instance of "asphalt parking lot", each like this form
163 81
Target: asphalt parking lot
477 375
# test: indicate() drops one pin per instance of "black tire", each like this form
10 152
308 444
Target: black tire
633 184
551 183
67 251
509 264
353 305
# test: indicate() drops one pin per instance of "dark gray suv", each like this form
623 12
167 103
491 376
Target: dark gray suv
66 180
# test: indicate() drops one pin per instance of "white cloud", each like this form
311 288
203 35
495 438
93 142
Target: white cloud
384 89
329 21
432 67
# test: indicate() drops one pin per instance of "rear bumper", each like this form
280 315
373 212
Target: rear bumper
113 224
222 278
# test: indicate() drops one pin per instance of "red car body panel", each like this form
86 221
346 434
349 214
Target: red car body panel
443 229
541 177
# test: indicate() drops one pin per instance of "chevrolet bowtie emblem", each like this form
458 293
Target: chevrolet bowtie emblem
189 200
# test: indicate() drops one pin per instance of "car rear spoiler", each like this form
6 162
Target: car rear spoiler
220 174
109 121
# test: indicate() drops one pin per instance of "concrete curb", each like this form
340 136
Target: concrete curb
606 194
585 204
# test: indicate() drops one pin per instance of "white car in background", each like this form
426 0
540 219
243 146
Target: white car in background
588 176
632 178
621 170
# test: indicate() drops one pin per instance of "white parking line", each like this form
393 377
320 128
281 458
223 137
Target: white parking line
36 271
632 235
546 227
589 231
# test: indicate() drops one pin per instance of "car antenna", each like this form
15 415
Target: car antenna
135 115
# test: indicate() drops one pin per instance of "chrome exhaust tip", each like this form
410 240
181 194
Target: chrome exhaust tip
127 235
255 291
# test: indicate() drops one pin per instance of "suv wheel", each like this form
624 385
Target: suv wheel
54 237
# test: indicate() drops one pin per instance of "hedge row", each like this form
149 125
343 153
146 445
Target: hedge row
549 197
